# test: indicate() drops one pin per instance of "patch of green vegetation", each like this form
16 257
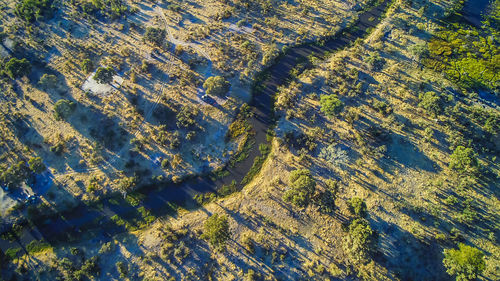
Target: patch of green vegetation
216 86
64 109
104 75
155 36
257 164
331 105
34 10
465 263
216 230
302 187
16 68
12 253
468 55
36 246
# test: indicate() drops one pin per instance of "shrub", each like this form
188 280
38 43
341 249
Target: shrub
331 105
32 10
357 206
104 75
186 117
466 263
48 81
431 102
15 174
375 62
63 109
155 35
16 68
36 165
301 189
87 65
359 243
216 85
216 230
464 160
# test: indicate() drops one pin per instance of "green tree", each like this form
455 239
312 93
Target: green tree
359 243
104 75
186 117
87 65
357 206
301 188
464 160
154 35
48 81
465 263
331 105
36 165
216 85
15 174
32 10
63 109
431 102
216 230
16 68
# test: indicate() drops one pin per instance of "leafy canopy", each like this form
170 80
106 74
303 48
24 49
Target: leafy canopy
216 230
464 160
302 187
331 105
465 263
33 10
104 75
216 85
63 109
16 68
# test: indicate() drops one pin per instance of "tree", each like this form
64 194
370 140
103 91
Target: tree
186 117
301 189
36 165
465 263
15 174
216 85
32 10
16 68
104 75
48 81
216 230
331 105
464 160
431 102
63 109
154 35
359 242
87 65
357 206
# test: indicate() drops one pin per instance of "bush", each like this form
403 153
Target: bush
15 174
16 68
216 85
216 230
155 35
87 65
48 81
464 160
122 268
431 102
466 263
301 189
331 105
36 165
186 117
63 109
357 206
104 75
33 10
359 243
